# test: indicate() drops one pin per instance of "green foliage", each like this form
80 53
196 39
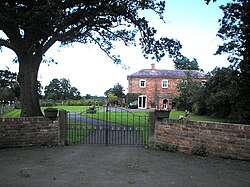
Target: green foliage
115 94
234 31
220 92
199 150
61 90
113 98
99 22
188 89
9 87
87 102
183 63
117 90
132 97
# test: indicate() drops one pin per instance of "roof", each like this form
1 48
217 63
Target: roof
148 73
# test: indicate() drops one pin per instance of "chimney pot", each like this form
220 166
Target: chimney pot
152 67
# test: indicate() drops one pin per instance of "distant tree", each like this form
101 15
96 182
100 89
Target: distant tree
9 87
113 98
74 93
32 27
88 96
132 97
53 90
117 90
183 63
187 88
106 93
61 90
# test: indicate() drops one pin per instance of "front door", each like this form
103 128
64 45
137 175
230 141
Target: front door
165 103
142 102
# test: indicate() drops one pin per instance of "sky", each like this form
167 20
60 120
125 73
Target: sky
91 71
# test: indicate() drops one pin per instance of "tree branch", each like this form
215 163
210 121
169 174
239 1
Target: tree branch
9 45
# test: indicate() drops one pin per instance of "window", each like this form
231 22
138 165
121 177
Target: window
185 82
164 84
142 83
203 83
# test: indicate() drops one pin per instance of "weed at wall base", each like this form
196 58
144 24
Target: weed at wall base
169 147
199 150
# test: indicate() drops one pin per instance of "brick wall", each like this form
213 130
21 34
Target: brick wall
153 86
220 139
19 132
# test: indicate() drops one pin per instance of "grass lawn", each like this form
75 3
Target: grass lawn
16 112
173 114
194 117
77 132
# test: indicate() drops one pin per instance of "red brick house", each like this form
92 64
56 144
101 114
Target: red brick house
158 86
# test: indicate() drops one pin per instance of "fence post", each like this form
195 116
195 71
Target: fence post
152 135
62 127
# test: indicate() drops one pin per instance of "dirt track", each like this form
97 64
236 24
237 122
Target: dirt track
85 165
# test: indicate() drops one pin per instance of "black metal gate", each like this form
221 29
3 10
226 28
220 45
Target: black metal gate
108 125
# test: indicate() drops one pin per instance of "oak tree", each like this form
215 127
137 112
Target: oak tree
32 27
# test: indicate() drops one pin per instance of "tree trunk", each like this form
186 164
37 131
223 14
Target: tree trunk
27 78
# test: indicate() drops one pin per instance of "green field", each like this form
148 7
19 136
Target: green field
173 114
77 132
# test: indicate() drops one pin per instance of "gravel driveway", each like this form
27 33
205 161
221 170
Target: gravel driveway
94 165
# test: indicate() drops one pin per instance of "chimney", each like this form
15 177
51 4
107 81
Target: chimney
153 67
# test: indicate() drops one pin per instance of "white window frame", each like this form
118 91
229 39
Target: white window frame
142 102
203 82
140 83
162 85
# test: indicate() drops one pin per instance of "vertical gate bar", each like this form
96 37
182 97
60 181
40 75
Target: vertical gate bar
106 130
133 128
80 129
111 118
98 125
127 129
67 126
85 127
121 129
74 132
71 129
103 124
77 131
91 129
88 121
139 130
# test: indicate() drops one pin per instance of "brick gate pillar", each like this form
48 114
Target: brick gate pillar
152 135
62 127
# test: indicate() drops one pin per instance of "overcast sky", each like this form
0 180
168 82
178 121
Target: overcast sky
192 22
